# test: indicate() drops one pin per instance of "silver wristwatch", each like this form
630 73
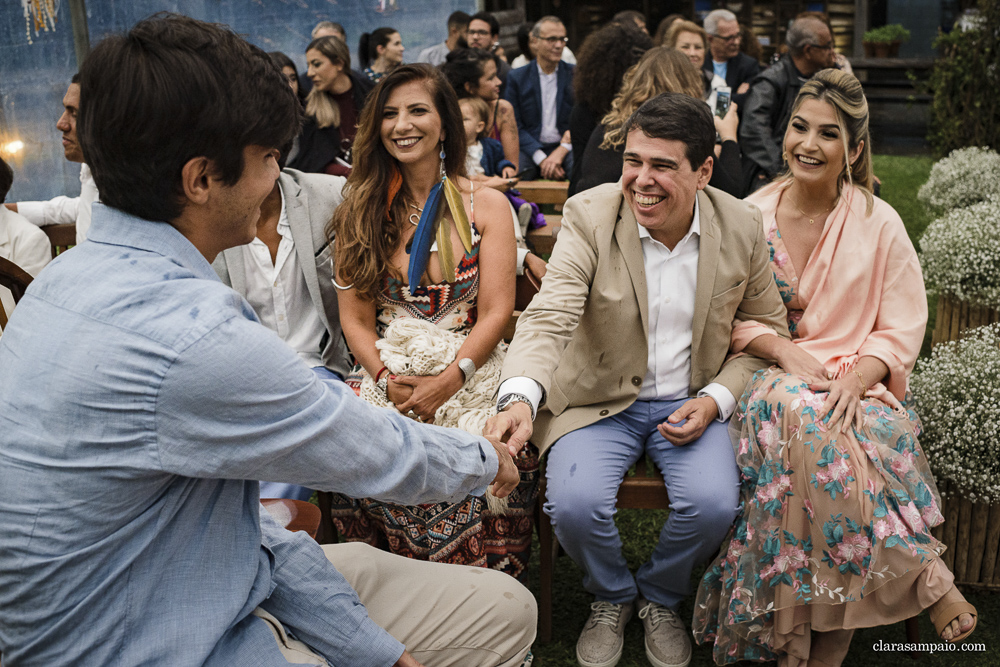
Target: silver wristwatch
468 368
515 398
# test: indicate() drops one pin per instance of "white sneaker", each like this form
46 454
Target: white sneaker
603 637
667 643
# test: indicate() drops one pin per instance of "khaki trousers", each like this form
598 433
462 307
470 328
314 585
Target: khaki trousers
445 615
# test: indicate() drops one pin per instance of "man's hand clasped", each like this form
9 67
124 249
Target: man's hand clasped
512 426
698 413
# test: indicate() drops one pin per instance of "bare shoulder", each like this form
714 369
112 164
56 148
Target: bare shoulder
506 109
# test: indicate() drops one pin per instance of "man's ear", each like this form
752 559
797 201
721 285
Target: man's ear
197 179
705 172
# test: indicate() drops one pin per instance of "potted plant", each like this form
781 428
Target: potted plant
884 41
957 396
960 251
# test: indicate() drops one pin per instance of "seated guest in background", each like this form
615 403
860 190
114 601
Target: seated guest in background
769 104
659 39
731 64
692 40
332 109
381 51
832 472
287 68
484 33
385 273
528 49
473 72
329 29
661 70
137 459
66 210
606 55
458 25
840 61
286 275
20 241
633 17
624 352
542 96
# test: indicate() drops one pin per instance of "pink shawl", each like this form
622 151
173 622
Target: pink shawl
862 290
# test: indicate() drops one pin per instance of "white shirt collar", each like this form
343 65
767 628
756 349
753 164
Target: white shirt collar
694 229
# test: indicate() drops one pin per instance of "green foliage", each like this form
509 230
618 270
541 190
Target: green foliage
964 82
886 34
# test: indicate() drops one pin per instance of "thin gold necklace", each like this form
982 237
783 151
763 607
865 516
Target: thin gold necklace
812 219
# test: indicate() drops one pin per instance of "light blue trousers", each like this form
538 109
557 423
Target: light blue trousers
294 491
583 473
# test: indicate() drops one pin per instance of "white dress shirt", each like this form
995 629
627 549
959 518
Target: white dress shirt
24 244
65 210
549 133
278 293
671 283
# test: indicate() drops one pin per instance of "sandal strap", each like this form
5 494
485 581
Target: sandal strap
948 614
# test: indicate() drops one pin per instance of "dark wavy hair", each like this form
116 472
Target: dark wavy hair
369 43
466 66
366 238
602 62
172 89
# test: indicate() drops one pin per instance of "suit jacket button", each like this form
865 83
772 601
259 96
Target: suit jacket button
637 381
604 413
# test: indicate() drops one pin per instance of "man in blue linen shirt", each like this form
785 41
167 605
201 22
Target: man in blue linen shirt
141 397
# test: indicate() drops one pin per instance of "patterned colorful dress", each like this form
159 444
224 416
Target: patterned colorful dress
460 533
827 518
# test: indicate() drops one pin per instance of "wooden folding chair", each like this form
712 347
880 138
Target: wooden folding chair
62 237
14 278
294 515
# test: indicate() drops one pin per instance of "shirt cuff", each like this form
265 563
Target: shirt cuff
33 211
524 386
521 254
723 398
539 156
371 646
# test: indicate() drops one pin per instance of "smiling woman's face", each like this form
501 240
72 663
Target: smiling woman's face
411 125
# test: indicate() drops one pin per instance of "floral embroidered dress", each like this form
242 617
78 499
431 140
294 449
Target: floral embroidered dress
834 531
460 533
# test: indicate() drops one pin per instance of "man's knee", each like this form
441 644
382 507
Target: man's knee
511 605
710 506
577 507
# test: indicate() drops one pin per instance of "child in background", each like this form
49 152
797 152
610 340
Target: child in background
485 162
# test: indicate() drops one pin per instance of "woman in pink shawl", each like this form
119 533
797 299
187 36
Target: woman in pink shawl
838 500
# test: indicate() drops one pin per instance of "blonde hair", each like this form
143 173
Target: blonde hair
320 105
670 39
481 109
661 70
844 94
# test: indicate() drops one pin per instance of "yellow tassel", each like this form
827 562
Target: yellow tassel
454 199
446 258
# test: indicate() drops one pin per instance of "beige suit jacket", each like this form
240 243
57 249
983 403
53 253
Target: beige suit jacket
584 335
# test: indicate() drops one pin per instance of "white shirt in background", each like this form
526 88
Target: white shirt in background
65 210
279 295
24 244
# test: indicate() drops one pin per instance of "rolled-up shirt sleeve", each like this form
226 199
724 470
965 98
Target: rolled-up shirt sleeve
234 403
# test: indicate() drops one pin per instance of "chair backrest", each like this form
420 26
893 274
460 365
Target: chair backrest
14 278
62 237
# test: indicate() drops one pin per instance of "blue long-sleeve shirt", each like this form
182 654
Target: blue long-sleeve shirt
139 398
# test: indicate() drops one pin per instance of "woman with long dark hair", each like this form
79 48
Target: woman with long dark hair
408 187
380 51
332 109
473 73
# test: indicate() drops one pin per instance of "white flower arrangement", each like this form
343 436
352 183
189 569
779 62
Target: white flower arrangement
966 176
960 253
957 394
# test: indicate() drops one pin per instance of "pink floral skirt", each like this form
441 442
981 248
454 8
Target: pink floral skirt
828 519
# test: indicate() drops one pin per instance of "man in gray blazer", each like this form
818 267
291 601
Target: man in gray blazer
624 352
286 274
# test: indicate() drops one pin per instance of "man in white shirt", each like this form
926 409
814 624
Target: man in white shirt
66 210
458 26
623 353
286 274
20 241
542 96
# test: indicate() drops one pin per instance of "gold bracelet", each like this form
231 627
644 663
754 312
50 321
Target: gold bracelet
864 385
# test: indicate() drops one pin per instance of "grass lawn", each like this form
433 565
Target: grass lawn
901 178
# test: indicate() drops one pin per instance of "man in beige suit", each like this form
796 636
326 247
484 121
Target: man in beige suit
625 351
